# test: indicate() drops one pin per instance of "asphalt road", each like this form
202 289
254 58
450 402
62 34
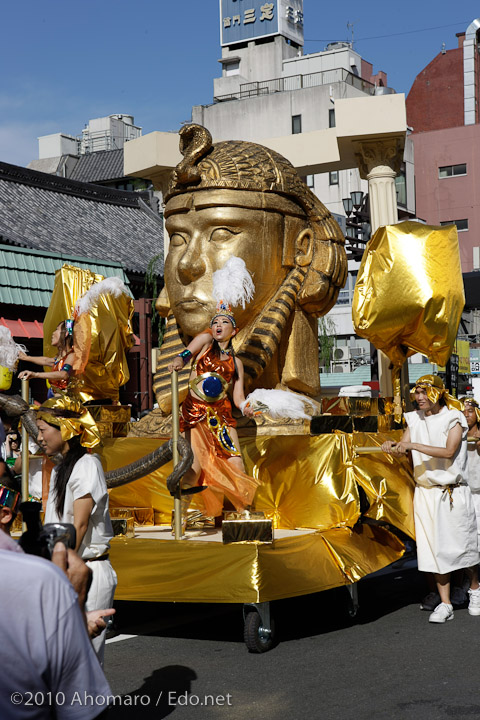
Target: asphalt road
190 662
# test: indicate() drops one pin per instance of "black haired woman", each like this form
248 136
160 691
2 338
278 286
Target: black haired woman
78 494
61 364
206 417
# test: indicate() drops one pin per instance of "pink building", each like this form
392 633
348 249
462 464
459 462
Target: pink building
443 111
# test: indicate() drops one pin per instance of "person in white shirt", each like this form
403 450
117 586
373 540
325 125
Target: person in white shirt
53 670
78 493
48 664
445 521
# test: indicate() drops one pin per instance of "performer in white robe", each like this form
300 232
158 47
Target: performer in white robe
445 521
471 410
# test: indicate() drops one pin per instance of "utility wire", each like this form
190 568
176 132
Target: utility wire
407 32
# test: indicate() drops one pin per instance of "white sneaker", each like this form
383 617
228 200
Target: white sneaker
442 613
474 602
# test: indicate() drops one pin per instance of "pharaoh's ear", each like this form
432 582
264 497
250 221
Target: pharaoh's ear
304 248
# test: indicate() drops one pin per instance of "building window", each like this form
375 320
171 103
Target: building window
309 181
461 224
296 124
331 118
451 170
401 186
232 68
333 177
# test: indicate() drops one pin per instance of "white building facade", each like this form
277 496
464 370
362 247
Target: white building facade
269 89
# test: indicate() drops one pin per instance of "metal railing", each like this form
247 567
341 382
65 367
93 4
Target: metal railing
298 82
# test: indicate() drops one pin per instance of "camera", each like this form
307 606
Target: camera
40 539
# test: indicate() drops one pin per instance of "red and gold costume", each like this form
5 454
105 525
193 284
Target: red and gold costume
59 364
209 422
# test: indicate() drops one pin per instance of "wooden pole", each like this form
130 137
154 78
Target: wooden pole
25 453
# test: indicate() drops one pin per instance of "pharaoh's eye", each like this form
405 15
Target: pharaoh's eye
176 240
222 234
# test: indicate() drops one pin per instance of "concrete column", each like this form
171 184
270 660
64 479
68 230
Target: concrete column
379 162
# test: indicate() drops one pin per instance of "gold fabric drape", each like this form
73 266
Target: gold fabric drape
308 482
104 334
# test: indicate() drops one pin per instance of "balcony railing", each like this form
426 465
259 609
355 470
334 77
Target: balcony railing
298 82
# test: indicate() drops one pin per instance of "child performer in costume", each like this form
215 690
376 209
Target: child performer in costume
78 493
206 414
445 522
62 364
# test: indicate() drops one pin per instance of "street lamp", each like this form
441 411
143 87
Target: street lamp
348 206
357 198
358 223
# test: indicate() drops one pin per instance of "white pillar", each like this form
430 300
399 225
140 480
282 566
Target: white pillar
379 162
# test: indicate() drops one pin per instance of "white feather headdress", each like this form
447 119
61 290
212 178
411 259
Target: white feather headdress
233 284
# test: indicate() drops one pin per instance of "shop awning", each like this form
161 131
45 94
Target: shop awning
23 328
26 329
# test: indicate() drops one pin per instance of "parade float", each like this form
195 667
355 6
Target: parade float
331 508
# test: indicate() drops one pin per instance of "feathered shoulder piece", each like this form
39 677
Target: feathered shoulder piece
110 286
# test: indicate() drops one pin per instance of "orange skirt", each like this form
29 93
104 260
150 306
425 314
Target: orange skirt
219 474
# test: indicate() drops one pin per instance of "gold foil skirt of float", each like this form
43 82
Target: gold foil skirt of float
167 570
309 482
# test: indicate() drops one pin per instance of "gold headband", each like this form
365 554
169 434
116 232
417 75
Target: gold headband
470 402
434 390
83 425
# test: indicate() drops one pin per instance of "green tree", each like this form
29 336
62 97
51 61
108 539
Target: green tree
151 289
327 340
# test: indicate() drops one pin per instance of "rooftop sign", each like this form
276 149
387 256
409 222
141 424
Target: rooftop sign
243 20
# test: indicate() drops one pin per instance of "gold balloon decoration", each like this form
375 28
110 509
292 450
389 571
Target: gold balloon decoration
409 294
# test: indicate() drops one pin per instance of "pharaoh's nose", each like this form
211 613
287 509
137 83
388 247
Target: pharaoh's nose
192 264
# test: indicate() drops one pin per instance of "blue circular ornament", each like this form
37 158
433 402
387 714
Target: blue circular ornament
212 387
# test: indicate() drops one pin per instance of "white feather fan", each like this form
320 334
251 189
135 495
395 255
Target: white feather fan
280 404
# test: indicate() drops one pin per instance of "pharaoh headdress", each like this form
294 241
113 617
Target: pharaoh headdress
311 288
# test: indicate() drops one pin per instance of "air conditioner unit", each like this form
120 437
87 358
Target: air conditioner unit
342 354
356 351
340 368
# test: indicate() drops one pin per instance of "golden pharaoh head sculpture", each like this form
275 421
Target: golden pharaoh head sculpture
240 198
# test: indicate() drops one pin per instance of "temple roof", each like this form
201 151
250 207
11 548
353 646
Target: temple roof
99 166
50 213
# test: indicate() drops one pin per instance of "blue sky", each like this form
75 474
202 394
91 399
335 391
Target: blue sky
65 62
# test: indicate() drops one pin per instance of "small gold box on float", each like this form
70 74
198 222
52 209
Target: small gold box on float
240 527
123 522
124 527
196 520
